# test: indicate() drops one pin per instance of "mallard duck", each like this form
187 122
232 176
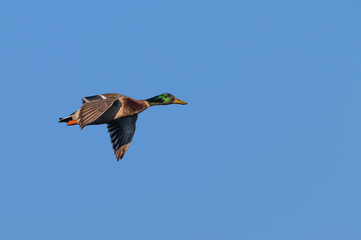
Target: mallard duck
119 112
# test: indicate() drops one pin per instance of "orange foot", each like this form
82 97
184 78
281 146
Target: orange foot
72 122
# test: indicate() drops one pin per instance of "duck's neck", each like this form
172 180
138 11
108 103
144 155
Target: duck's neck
154 101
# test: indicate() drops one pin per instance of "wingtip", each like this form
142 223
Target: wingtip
120 152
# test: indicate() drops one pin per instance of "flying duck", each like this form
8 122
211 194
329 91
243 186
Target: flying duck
119 112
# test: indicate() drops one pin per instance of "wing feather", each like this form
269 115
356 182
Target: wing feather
121 134
90 111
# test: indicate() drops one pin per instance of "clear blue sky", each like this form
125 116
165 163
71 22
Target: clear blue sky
269 146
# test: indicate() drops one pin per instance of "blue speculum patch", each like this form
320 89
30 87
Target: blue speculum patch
91 98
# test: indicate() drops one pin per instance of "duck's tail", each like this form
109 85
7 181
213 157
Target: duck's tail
69 120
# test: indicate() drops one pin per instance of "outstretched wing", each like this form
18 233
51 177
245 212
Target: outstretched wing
93 107
121 134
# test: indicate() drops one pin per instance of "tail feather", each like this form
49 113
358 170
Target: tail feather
67 119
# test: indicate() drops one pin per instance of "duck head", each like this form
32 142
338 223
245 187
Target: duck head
164 99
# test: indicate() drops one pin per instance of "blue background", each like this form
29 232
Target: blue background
267 148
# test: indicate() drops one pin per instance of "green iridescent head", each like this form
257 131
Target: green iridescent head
164 99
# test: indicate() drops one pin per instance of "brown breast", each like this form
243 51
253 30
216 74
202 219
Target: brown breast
132 106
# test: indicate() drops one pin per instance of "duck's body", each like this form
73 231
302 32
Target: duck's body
104 108
119 112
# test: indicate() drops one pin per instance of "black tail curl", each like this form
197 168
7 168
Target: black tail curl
67 119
